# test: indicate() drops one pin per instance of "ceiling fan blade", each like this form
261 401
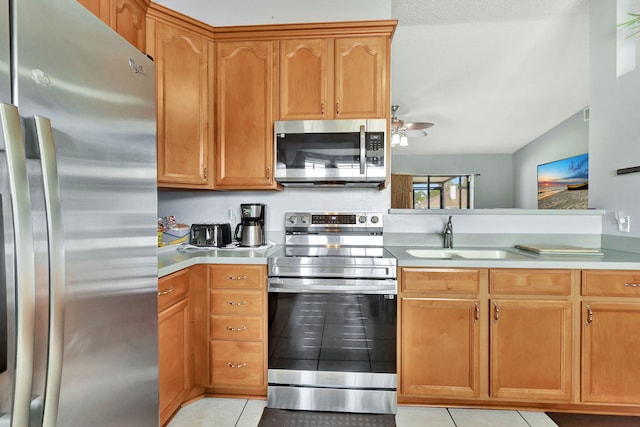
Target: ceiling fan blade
415 133
417 125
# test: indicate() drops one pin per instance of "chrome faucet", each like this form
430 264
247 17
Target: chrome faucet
447 233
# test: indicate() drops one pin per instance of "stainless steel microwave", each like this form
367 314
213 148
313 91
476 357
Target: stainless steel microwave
330 152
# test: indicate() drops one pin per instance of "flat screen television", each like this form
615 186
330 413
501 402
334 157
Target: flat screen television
564 184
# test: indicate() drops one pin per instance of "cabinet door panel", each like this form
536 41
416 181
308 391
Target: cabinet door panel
182 76
304 79
531 349
173 350
128 19
361 77
245 95
440 347
610 345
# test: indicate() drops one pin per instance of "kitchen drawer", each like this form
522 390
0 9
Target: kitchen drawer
236 363
172 288
231 301
454 280
611 283
531 282
238 276
236 327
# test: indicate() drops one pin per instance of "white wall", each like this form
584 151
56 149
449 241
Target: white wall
257 12
493 188
614 125
570 138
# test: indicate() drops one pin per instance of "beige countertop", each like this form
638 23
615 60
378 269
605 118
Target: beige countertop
610 259
171 260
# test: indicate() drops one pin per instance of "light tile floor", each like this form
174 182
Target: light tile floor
246 413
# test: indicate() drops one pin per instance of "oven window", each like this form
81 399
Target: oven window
332 332
328 150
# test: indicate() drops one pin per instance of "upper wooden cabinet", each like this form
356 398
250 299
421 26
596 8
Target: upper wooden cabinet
334 78
245 103
184 88
126 17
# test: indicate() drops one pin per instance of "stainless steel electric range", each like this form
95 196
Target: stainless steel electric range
332 315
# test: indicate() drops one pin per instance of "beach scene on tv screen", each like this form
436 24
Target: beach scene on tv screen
564 184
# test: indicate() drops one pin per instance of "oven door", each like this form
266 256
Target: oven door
332 351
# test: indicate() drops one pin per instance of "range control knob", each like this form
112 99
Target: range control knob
362 219
292 219
305 219
375 219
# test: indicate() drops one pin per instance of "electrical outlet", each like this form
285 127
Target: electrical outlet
624 224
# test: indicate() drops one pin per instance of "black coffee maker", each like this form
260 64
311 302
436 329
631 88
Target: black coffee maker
250 231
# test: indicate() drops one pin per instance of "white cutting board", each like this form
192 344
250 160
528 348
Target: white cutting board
559 249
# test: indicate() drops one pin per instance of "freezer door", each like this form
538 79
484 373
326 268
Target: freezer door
98 92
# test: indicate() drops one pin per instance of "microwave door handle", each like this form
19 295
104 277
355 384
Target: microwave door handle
362 150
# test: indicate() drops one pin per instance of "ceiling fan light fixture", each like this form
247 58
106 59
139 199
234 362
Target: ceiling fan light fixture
401 130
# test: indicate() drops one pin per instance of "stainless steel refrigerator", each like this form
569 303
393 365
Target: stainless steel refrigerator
78 206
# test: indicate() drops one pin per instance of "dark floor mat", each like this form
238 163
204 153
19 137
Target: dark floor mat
587 420
287 418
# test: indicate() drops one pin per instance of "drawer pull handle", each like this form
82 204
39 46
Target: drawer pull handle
236 302
632 285
496 312
168 291
476 317
236 365
243 277
589 316
240 329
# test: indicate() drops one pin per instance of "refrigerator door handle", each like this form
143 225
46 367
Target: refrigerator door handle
24 262
53 212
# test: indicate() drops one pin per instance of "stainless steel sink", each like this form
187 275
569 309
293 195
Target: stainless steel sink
465 253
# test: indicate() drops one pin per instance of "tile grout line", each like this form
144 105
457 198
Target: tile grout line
525 420
452 419
246 402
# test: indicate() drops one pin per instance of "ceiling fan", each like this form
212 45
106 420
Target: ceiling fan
401 130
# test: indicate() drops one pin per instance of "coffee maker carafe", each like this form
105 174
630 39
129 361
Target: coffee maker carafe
250 231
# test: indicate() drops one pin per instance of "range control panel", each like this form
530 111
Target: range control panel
350 219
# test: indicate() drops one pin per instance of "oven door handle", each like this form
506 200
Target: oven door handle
350 286
363 150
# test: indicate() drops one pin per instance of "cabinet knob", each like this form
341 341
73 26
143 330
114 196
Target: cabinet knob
240 329
236 303
632 285
322 108
243 277
496 312
338 108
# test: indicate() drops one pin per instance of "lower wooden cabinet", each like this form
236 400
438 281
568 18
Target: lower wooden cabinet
610 322
440 347
530 349
486 335
237 330
174 325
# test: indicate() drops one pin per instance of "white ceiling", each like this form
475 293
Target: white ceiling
491 74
